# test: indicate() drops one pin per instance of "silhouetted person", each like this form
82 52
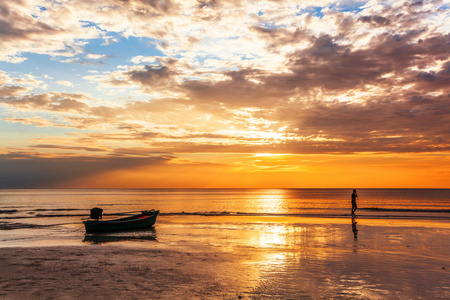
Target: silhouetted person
354 207
355 231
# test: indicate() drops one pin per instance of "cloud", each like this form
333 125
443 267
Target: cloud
25 170
38 122
20 85
75 148
27 27
378 126
95 56
57 102
12 91
65 83
344 78
151 75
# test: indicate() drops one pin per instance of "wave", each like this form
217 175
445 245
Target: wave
393 214
370 212
405 210
12 222
8 211
13 225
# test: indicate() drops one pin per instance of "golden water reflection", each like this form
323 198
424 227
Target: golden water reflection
294 250
298 257
274 201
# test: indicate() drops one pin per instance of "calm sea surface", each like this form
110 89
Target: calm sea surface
46 203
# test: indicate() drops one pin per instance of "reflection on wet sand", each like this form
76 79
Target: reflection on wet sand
147 234
354 229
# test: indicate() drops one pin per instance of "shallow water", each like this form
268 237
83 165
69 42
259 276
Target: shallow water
330 202
317 258
275 257
30 215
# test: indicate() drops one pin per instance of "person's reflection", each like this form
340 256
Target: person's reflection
355 231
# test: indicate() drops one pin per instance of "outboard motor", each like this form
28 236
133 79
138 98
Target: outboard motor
96 213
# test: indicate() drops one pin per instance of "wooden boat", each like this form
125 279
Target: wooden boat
145 219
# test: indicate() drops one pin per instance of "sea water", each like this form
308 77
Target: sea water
327 202
31 216
41 203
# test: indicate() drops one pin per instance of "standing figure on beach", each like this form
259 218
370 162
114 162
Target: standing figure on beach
354 207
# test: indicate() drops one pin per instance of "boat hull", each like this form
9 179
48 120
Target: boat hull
146 219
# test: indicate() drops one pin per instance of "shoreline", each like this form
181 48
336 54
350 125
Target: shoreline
53 232
237 257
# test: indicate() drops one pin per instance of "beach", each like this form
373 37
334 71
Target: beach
234 257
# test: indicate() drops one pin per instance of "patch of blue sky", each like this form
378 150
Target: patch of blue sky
51 69
41 8
234 68
312 10
110 56
251 56
354 7
320 11
119 50
445 6
272 25
87 23
47 69
201 57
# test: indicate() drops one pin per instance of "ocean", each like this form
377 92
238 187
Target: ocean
51 216
376 203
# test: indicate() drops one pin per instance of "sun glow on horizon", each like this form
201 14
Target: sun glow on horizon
269 154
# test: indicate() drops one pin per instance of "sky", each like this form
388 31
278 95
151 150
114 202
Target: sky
223 94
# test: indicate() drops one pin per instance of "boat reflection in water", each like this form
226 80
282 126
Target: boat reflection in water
137 235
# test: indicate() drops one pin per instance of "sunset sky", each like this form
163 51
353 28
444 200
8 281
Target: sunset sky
266 94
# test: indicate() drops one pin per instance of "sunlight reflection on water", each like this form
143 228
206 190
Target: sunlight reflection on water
324 260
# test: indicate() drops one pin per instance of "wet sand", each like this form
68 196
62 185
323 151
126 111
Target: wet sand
194 257
74 272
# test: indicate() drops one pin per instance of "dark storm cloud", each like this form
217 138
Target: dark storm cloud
22 170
